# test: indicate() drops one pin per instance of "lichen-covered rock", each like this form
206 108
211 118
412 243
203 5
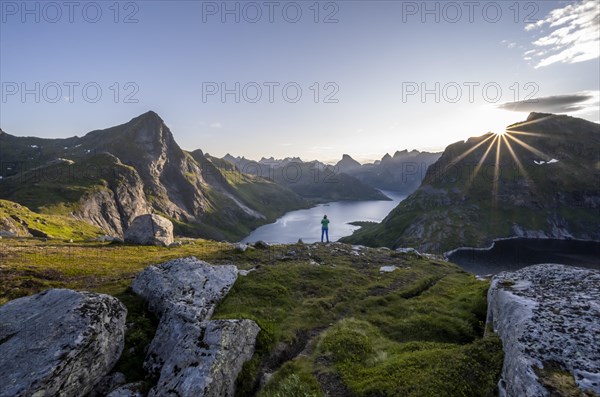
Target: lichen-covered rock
547 314
129 390
150 229
187 285
191 355
205 358
59 342
107 384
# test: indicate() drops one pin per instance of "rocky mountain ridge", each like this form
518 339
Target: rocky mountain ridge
402 172
109 177
313 180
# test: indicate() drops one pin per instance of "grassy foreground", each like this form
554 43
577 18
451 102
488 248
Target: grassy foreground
331 323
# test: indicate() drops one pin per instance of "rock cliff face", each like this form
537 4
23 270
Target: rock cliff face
59 343
547 316
115 204
169 175
191 355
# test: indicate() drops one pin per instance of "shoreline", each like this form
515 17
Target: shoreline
447 254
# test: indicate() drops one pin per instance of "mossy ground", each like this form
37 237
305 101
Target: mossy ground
331 323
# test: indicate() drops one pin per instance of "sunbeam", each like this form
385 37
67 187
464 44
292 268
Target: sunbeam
514 156
480 164
496 174
533 150
498 140
512 127
467 152
526 133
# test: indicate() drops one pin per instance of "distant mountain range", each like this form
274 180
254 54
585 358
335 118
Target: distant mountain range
313 180
540 179
347 179
402 172
108 177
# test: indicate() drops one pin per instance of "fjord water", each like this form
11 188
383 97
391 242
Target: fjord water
514 254
306 224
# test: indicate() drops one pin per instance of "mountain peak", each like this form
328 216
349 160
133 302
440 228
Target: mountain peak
149 116
535 116
150 113
348 160
347 163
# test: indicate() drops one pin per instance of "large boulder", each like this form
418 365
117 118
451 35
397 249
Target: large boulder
59 342
205 358
191 355
547 317
150 229
184 285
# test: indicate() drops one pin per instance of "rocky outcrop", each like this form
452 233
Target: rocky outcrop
204 358
186 284
10 227
59 342
150 229
546 314
191 355
115 205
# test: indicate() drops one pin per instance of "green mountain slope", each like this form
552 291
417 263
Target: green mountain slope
108 177
540 179
19 221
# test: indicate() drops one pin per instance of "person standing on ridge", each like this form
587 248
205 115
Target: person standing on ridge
325 228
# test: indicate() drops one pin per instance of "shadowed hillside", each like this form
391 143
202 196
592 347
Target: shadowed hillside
539 179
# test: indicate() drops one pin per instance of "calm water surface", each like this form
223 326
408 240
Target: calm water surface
306 224
514 254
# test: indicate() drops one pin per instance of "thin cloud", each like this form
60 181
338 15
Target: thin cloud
567 35
554 104
216 124
508 44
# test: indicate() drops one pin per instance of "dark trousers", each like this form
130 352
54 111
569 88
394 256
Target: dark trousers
324 232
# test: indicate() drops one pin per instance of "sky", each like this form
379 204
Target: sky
314 79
